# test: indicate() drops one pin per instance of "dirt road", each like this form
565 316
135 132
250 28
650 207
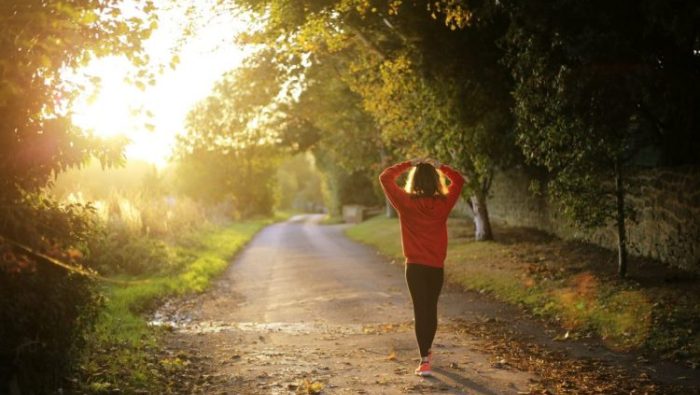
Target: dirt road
304 308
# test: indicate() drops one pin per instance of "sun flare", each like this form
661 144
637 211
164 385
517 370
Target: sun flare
152 117
108 111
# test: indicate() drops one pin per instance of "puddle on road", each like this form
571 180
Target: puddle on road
189 326
293 328
181 321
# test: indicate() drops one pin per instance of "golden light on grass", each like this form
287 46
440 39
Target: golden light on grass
627 320
621 317
151 116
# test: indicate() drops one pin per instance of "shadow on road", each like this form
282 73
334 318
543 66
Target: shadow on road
456 380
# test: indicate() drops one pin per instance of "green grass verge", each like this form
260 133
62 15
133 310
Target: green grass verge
547 277
331 220
120 353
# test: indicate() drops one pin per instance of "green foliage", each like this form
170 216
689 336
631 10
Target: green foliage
48 310
445 91
39 39
299 184
593 92
345 134
343 138
342 187
130 227
229 153
417 86
45 309
120 251
45 314
245 178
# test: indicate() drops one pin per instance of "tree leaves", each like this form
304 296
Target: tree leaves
40 40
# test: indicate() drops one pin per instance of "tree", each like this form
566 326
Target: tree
343 138
402 64
300 184
447 90
39 40
229 151
592 92
245 178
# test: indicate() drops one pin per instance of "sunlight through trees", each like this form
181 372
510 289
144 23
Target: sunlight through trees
299 104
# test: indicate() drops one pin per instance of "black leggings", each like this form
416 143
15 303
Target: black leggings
424 284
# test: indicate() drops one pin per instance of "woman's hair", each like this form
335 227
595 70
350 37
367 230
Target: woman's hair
425 181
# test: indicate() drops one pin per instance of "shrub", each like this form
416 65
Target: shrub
130 233
44 309
115 251
44 315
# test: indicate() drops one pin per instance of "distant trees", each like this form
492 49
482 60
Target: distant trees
228 152
300 185
327 119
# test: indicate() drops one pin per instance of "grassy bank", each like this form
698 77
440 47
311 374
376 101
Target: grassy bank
121 353
655 310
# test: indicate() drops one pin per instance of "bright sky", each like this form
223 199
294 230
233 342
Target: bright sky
204 57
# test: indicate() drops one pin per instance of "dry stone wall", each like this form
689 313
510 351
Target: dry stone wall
667 203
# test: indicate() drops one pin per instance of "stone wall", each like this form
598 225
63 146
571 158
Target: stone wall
667 202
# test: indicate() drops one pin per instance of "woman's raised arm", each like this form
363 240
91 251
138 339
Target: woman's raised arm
456 184
396 195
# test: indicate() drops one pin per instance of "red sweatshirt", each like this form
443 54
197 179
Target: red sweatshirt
423 220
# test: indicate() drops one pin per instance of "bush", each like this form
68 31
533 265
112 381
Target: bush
130 232
115 251
44 315
44 309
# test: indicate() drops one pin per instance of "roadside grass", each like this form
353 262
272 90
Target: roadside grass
574 285
121 353
282 215
331 220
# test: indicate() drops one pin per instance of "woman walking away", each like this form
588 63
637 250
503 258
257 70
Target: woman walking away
423 206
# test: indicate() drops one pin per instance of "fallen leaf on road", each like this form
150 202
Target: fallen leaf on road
310 387
500 364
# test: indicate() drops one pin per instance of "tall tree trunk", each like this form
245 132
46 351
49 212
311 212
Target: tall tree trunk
621 232
482 223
